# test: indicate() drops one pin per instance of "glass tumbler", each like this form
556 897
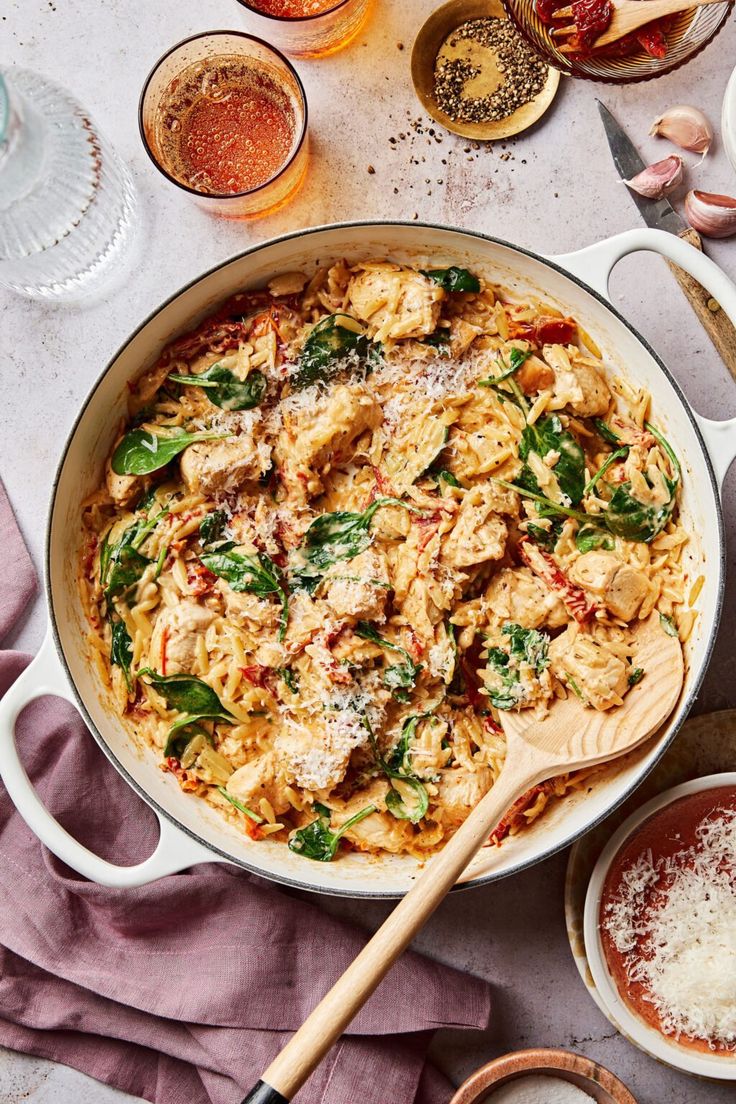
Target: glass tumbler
67 203
224 117
307 28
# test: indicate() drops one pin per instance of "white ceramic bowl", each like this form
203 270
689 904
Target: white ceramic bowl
728 120
637 1030
191 831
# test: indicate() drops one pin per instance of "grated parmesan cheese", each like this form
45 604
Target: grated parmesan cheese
674 922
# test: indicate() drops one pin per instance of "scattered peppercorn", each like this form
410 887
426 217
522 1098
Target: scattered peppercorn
524 73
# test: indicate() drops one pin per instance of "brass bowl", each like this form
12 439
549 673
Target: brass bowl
424 54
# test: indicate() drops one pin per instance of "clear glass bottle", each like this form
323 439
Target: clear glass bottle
67 202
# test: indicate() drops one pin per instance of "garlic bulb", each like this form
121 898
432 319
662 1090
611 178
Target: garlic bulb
686 126
711 214
659 179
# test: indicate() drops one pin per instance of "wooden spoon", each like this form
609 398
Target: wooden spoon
628 16
570 737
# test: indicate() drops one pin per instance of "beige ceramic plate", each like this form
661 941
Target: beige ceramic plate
426 47
706 745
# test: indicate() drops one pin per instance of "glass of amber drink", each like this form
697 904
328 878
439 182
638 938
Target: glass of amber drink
307 28
224 116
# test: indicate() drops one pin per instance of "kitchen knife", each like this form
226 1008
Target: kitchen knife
661 215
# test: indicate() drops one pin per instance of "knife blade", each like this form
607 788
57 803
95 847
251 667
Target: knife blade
657 213
661 215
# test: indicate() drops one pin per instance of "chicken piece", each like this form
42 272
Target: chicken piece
248 611
396 302
534 375
173 646
578 384
599 675
381 831
261 778
518 596
619 586
123 489
359 588
314 436
460 790
212 467
315 754
479 533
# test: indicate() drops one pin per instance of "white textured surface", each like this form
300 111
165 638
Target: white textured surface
552 190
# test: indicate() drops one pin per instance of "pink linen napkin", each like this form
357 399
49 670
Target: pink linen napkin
181 991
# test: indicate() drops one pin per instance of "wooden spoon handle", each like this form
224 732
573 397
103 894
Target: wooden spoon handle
306 1049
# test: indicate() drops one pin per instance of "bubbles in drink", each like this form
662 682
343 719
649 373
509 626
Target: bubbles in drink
225 128
294 9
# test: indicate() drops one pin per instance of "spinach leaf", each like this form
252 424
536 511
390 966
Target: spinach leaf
328 346
547 435
400 758
121 650
291 678
212 527
612 458
253 573
551 508
440 340
123 568
334 537
525 646
224 389
402 676
635 675
317 841
605 431
517 357
453 278
395 802
589 537
141 451
668 624
528 645
187 694
444 476
633 520
180 734
546 538
122 564
240 806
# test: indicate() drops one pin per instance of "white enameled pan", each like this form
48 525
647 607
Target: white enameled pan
192 832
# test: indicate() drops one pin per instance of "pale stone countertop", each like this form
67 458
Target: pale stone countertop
552 190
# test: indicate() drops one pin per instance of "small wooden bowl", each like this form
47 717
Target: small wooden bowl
601 1085
427 45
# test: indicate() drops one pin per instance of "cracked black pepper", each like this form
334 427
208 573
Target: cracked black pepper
523 74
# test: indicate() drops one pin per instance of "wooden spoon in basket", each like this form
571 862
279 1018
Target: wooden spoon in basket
627 16
570 737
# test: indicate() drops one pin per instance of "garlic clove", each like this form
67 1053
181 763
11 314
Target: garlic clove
659 179
711 214
686 126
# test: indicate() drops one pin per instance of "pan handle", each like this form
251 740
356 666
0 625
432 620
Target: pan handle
594 264
175 850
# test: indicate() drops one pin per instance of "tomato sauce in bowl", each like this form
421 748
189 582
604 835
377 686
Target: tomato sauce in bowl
666 921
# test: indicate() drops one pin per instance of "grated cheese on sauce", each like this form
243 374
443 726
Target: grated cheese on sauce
674 921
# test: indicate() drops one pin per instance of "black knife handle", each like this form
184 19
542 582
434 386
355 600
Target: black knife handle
261 1093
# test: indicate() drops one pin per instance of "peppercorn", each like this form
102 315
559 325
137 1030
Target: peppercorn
524 73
